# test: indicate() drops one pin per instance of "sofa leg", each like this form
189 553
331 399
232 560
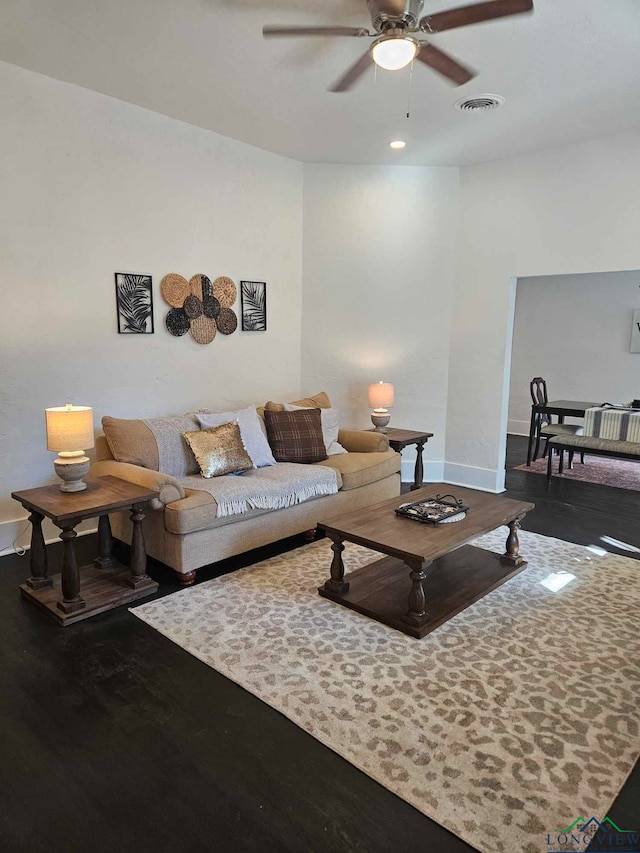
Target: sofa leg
185 579
309 535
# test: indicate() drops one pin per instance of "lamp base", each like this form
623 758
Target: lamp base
71 470
380 419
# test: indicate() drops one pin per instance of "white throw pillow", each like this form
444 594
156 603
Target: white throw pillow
252 432
330 427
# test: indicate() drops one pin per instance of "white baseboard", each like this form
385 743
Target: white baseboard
432 471
19 529
518 427
484 479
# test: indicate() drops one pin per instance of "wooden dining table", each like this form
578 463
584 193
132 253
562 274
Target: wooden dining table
562 408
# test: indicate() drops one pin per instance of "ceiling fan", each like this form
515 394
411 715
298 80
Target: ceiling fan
394 22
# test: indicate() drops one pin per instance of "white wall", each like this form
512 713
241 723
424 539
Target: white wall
574 330
91 185
572 210
378 267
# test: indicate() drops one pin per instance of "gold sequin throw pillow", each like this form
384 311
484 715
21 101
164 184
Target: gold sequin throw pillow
219 450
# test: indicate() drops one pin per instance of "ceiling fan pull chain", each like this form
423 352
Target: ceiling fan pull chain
410 90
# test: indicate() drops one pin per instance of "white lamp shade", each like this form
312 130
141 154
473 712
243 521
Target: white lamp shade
69 428
394 53
380 395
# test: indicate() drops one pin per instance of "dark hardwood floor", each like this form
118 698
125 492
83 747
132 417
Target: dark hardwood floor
112 738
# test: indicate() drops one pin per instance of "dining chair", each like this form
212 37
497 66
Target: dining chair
544 425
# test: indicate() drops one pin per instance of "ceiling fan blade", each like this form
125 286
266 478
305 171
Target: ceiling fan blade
445 64
475 14
353 74
276 31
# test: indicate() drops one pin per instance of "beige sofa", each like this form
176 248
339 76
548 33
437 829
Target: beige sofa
181 527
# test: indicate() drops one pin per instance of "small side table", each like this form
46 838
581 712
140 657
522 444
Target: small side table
105 584
400 438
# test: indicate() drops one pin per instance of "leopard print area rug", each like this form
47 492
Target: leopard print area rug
503 725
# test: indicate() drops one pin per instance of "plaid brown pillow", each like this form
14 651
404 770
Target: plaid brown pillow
296 436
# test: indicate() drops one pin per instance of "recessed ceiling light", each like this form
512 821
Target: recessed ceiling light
397 144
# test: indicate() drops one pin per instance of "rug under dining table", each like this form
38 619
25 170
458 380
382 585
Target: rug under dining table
504 725
596 469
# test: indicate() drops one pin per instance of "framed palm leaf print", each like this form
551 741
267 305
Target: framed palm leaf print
134 301
253 295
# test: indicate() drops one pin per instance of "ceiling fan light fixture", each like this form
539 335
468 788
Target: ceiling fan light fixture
394 52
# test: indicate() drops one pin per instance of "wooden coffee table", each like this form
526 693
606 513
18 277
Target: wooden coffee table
430 573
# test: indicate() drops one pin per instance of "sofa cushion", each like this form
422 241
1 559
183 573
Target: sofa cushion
330 428
360 469
296 436
131 441
320 401
219 450
154 443
223 500
252 430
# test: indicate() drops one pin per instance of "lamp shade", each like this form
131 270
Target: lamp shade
380 395
69 428
394 52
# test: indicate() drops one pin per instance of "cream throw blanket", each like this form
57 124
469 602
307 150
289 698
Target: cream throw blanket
274 487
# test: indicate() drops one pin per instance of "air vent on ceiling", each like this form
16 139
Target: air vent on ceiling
479 103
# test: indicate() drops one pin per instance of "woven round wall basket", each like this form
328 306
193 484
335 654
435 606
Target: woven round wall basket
203 329
192 307
207 287
210 306
174 289
177 322
227 321
225 291
201 286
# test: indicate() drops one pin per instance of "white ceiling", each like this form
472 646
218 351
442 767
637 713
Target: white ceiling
570 71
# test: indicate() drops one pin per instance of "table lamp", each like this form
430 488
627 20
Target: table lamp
69 428
380 399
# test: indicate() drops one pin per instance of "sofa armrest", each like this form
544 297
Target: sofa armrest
361 441
169 489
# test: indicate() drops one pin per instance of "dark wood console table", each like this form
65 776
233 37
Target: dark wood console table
105 584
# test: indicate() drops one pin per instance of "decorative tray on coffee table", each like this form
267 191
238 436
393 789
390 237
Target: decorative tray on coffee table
438 510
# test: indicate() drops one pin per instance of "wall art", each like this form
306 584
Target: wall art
134 301
199 306
253 295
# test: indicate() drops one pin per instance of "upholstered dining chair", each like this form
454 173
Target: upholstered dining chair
544 426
